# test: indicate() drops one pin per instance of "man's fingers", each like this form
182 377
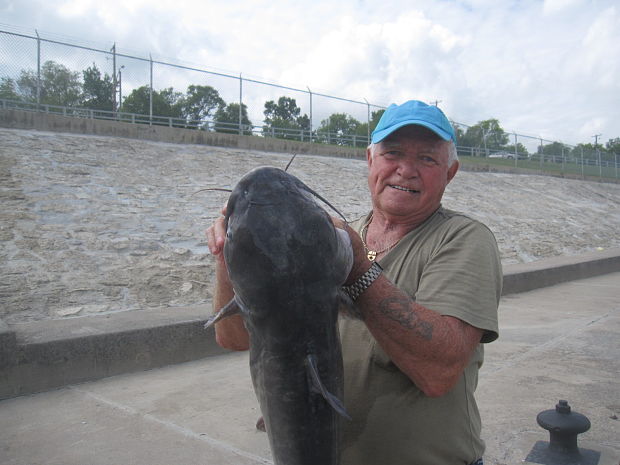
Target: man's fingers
216 235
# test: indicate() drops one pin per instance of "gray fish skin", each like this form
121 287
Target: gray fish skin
287 262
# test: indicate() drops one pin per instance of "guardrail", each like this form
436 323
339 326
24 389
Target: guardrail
542 163
301 135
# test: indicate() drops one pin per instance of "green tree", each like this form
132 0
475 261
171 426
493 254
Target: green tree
458 132
59 85
200 102
613 146
98 91
284 119
362 130
591 152
487 135
338 129
8 89
166 102
587 150
226 119
555 151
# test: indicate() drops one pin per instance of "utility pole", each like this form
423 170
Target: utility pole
596 136
368 120
436 102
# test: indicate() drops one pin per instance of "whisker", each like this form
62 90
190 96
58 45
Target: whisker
213 189
289 162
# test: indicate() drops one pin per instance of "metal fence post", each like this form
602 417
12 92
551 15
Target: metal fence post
240 104
151 91
38 69
367 120
310 93
516 150
120 89
114 83
541 155
582 171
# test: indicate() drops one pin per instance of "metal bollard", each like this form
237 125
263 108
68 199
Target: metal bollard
563 426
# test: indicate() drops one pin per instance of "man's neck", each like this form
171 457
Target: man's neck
394 225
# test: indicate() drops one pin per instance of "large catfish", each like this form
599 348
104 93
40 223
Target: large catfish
287 263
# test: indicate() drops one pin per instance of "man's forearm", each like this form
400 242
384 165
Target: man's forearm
431 349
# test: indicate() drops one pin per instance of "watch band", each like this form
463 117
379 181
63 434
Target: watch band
363 282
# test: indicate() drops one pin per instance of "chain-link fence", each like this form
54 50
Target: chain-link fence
44 74
38 64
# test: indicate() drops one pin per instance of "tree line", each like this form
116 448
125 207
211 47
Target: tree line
488 136
204 107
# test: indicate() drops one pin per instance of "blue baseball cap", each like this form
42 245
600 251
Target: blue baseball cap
413 112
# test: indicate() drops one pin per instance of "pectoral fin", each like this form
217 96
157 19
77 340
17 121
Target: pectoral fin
230 309
317 386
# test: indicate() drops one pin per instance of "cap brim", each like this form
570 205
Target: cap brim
378 136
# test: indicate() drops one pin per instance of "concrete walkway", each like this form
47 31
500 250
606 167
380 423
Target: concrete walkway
560 342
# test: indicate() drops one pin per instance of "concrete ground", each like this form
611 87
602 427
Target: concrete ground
559 342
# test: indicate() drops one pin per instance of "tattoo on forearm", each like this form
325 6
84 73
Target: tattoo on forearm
398 309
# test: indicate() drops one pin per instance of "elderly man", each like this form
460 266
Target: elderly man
427 283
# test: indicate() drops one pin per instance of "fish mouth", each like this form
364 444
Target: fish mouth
404 189
262 204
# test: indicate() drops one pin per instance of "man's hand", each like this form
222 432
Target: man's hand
230 332
216 237
360 261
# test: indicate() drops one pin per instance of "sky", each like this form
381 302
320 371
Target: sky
543 68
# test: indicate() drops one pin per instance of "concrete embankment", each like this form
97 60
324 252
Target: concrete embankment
47 354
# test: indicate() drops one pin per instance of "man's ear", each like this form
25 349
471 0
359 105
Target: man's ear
452 170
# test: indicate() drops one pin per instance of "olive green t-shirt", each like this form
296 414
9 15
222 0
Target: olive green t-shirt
449 264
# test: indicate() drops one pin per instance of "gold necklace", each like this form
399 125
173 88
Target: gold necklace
372 254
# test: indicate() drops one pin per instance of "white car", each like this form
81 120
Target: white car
509 156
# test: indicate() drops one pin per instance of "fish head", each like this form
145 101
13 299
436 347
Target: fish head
280 240
262 186
257 230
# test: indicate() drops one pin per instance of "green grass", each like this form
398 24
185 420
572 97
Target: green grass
535 167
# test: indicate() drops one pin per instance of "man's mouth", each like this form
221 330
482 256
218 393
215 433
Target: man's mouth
404 189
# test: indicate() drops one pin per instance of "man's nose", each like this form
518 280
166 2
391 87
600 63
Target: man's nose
408 168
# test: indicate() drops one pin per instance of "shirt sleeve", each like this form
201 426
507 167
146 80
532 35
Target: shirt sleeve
463 277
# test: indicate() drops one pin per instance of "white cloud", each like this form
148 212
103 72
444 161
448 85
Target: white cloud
555 6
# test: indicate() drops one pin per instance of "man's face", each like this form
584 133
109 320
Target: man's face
408 173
